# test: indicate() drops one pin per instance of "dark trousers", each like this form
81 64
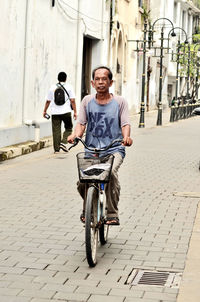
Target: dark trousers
56 129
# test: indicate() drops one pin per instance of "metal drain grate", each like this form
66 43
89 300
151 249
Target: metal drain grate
156 278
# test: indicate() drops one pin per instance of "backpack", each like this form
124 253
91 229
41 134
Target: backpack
59 95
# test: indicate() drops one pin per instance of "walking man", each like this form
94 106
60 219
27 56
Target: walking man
61 100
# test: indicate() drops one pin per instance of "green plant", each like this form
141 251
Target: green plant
145 14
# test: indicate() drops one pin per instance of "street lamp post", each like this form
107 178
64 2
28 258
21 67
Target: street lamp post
144 50
159 117
197 73
177 69
142 104
178 56
188 73
176 111
197 80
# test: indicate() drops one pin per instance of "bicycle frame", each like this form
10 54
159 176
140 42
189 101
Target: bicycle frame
101 203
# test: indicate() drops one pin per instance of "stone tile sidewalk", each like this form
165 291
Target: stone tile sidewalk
42 253
11 152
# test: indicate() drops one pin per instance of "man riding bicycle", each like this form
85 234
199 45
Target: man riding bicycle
106 117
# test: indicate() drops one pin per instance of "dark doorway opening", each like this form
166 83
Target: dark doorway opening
86 66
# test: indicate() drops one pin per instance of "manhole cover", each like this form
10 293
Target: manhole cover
156 278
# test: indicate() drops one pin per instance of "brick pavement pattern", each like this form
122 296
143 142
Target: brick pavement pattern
42 253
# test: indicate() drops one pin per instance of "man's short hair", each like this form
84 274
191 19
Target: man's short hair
62 76
110 75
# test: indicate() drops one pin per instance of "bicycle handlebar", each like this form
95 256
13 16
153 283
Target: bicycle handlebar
78 139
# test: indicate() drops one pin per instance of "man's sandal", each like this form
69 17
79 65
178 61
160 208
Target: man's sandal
112 221
82 217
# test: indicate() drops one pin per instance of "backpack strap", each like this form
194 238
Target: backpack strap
64 90
66 93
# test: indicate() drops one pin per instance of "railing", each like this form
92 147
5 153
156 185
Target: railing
182 108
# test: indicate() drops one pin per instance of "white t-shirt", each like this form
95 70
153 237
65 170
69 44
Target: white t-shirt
55 109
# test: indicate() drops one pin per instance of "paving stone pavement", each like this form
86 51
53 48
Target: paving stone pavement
42 253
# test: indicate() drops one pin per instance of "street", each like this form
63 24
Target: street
42 253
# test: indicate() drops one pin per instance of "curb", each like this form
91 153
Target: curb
25 148
189 287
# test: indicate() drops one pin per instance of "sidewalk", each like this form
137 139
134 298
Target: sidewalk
189 287
42 253
10 152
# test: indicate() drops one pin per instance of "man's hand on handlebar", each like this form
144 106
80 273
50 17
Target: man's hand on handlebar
71 138
127 141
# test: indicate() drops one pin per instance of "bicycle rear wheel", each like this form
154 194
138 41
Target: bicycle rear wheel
91 229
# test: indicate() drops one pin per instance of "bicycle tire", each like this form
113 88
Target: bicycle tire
91 229
103 233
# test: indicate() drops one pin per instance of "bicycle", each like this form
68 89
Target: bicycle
95 171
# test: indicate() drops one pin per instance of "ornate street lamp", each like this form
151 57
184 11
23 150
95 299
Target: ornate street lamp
142 104
176 111
159 118
188 72
178 55
143 50
197 73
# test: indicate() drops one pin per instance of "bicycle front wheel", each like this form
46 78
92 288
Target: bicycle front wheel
103 233
91 228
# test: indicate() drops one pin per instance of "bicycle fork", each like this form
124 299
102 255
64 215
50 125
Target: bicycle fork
101 208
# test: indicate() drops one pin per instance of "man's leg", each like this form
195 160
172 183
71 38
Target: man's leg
112 189
82 189
67 119
56 131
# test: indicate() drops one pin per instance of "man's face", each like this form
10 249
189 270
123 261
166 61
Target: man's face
101 81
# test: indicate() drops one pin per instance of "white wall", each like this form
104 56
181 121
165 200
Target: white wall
12 32
38 41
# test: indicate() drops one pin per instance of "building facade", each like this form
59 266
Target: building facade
39 39
184 17
127 24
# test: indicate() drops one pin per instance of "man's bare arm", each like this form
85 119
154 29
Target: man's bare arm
78 132
73 103
46 106
126 132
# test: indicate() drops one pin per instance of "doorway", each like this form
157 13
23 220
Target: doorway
86 66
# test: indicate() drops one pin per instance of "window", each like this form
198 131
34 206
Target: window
140 3
175 12
183 19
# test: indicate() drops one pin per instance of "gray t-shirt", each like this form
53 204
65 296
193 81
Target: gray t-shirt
104 122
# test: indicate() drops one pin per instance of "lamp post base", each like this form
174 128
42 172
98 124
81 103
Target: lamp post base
141 125
159 118
142 109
